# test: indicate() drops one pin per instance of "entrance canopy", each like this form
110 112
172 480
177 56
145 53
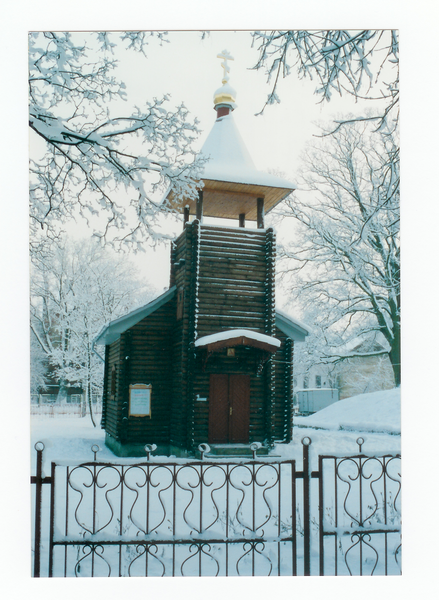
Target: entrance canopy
238 337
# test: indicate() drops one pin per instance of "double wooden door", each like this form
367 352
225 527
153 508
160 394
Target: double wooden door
229 409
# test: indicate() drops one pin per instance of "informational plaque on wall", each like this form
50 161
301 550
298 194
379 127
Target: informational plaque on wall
140 400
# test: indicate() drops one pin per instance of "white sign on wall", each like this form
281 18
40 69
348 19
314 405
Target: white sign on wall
140 400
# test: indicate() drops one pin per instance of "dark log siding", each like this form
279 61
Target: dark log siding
183 277
235 283
105 386
269 313
232 277
147 359
283 397
113 406
289 398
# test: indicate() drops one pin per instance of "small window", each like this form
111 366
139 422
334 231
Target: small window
48 398
74 399
180 303
305 383
318 381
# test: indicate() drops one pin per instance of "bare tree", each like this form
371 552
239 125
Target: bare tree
346 258
38 365
364 64
74 293
96 163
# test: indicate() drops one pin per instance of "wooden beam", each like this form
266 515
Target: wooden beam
186 213
242 341
260 216
227 200
200 206
242 220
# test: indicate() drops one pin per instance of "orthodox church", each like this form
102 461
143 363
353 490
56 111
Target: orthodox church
211 359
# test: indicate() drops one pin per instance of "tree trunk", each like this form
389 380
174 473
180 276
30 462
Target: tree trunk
395 357
62 392
90 404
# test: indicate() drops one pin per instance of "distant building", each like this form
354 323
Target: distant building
364 374
324 384
55 399
314 390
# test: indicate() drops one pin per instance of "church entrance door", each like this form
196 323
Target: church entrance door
229 409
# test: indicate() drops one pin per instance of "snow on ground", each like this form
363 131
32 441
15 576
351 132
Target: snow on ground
374 417
377 412
67 438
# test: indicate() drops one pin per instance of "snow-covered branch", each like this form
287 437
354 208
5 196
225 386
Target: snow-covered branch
75 291
364 64
96 163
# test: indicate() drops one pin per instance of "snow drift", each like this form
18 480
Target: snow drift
375 412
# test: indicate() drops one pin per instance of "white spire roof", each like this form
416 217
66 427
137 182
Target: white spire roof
230 160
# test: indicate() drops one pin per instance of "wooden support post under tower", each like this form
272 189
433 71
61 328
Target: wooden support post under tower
260 213
186 212
242 220
200 206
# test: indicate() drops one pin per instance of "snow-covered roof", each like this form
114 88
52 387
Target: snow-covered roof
110 332
361 345
290 326
230 160
232 335
231 181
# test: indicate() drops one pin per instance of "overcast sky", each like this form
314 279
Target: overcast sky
188 68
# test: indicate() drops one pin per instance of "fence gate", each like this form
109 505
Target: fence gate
173 518
360 515
213 517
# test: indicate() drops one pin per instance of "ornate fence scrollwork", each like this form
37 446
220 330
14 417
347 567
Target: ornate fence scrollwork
160 518
360 514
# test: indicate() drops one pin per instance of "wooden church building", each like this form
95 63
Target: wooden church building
210 360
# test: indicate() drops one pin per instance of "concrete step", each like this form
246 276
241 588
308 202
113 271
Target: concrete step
217 450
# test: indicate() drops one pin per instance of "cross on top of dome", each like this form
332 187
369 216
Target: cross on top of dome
224 97
226 56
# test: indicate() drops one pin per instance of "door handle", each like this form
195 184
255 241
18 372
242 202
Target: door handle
230 411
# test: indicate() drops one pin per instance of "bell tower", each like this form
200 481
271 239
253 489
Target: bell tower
225 280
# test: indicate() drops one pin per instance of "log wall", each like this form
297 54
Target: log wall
228 278
283 394
232 273
147 361
112 409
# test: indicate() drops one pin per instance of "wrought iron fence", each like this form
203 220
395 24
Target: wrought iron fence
212 517
360 515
